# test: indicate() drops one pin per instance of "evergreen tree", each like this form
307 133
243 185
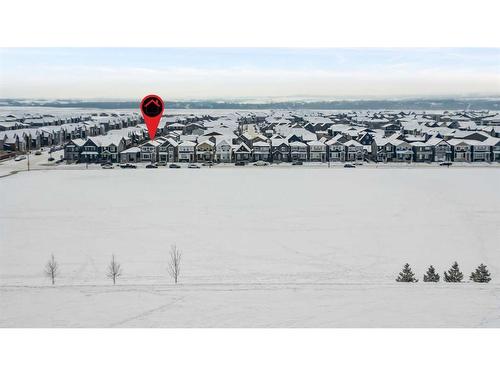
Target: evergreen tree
407 275
453 275
431 276
480 275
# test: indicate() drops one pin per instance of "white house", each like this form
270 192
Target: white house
186 151
223 151
261 151
317 151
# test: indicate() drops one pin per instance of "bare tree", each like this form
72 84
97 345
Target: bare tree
52 269
114 269
174 263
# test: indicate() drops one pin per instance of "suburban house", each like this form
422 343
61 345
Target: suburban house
242 152
167 150
280 149
186 152
494 143
261 151
354 150
423 152
298 151
442 149
73 149
462 150
90 151
205 151
149 151
480 151
130 155
404 151
383 149
336 149
317 151
223 151
110 148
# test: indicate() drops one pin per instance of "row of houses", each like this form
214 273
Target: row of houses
273 136
216 148
23 139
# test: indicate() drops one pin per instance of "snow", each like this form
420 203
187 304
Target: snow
280 247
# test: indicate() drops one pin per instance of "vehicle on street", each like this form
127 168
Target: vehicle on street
349 165
20 157
38 152
152 165
193 166
51 159
297 162
107 166
446 163
208 164
174 166
261 163
240 163
128 165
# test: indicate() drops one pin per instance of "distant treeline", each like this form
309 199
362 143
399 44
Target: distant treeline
413 104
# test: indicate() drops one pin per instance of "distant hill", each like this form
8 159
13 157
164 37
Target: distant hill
403 104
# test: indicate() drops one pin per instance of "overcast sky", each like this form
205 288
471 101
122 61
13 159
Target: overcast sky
206 73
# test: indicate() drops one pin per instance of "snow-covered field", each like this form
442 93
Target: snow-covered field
279 247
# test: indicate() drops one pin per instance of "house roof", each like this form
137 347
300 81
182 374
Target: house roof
187 144
242 147
131 150
315 143
206 142
275 142
261 144
352 142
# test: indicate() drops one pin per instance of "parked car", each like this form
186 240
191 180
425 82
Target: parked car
240 163
107 166
445 163
38 152
261 163
208 164
162 163
349 165
152 165
297 162
174 166
193 166
51 159
19 158
128 165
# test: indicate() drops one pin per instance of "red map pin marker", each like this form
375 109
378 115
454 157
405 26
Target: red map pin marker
152 109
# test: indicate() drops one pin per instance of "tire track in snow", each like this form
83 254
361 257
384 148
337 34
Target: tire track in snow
147 312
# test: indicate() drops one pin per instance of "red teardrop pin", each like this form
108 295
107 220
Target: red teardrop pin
152 109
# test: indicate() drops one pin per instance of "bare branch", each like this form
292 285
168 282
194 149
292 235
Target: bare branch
174 263
52 269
